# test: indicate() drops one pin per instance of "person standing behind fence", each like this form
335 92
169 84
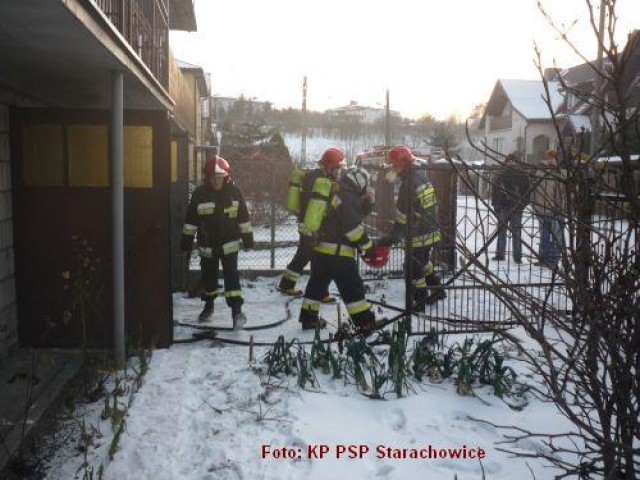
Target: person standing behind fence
425 233
548 204
341 235
218 215
509 197
302 188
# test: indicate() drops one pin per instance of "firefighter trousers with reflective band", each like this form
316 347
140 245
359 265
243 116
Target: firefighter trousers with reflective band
209 267
300 260
344 272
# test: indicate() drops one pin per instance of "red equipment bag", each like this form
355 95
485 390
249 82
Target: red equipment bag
376 257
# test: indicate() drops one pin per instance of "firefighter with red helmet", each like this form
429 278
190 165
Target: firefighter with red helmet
309 188
340 237
425 233
217 214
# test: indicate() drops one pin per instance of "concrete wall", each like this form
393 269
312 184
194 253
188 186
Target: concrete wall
8 316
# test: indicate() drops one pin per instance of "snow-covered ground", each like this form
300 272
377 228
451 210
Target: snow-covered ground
205 412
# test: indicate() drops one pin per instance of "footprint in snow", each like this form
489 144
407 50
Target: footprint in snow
384 471
396 419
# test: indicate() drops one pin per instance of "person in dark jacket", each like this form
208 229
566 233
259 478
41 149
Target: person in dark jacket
418 195
340 237
331 162
509 197
218 215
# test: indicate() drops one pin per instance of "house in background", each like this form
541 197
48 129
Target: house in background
517 119
238 109
359 113
577 85
64 63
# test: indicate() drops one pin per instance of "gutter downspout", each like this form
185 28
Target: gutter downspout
116 162
524 143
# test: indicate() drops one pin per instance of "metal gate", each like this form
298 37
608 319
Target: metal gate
468 227
465 254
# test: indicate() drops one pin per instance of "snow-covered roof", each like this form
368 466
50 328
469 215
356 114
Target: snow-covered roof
187 66
197 71
579 122
617 159
526 96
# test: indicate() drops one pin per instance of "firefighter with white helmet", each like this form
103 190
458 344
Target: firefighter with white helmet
340 237
308 195
218 216
425 232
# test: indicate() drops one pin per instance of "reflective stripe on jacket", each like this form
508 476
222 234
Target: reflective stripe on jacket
218 219
425 230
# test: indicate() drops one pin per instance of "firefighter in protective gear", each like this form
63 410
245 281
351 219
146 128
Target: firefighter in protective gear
425 232
217 214
341 236
310 189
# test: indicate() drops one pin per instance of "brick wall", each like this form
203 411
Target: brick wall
8 316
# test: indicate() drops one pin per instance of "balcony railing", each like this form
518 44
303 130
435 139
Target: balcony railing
145 26
499 123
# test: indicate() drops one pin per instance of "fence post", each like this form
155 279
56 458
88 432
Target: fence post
408 279
273 220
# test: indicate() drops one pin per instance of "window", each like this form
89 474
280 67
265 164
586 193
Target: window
498 144
541 144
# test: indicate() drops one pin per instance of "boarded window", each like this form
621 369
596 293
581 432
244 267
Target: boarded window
42 150
87 159
88 156
138 157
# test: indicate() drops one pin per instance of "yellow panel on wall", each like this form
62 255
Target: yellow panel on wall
138 157
174 162
88 156
43 160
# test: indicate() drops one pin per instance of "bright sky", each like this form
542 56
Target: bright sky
434 56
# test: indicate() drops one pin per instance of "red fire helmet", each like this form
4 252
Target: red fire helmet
217 165
332 158
401 157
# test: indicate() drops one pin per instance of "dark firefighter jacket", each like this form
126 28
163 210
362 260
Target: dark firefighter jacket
342 232
422 198
220 219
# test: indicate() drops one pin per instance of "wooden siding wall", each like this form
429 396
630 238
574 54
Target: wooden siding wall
182 90
50 216
8 314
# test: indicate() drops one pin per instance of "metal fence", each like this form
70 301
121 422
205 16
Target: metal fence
469 229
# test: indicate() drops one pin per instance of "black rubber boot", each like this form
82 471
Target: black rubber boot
365 322
207 311
311 321
436 294
420 300
239 319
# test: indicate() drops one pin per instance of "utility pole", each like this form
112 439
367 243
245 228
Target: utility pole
597 89
387 122
303 147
